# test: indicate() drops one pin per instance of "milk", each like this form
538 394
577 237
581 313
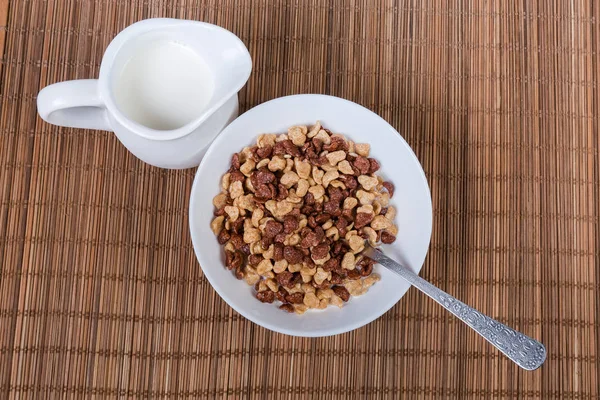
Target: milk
164 85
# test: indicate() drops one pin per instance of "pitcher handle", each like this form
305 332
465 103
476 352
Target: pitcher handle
74 104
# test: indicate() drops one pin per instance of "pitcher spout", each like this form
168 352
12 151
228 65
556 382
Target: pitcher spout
226 56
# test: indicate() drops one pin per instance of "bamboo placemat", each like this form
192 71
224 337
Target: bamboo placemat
100 292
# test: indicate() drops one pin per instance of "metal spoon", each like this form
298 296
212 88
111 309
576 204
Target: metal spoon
526 352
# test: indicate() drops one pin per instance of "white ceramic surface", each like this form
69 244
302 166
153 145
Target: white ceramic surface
90 103
399 164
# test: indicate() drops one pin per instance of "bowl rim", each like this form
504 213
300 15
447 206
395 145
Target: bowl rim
192 216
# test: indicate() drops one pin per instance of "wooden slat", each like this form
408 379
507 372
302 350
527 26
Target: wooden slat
3 21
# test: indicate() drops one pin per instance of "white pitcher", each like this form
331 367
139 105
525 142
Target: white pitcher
166 88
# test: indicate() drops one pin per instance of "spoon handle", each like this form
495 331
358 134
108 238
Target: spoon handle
526 352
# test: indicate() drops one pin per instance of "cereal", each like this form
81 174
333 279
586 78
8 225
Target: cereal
314 130
300 308
387 237
280 266
320 275
322 304
349 261
277 163
286 279
326 167
217 224
269 252
307 274
317 175
355 288
357 244
332 232
363 219
248 185
368 182
254 260
362 165
317 191
267 139
373 166
337 184
350 203
236 189
266 296
370 280
292 254
341 292
293 197
377 208
338 142
251 235
295 267
248 167
323 136
371 235
335 157
302 187
390 213
232 212
380 222
295 298
272 228
320 252
256 248
294 286
289 179
345 168
325 294
251 277
236 176
297 134
272 285
303 168
365 209
277 252
308 288
263 153
220 200
311 300
264 266
392 230
389 187
362 149
257 215
269 275
245 202
286 307
289 164
330 176
279 209
225 181
336 301
384 199
264 163
365 197
290 224
294 213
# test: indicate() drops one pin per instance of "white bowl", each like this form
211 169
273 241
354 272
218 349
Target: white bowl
399 165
